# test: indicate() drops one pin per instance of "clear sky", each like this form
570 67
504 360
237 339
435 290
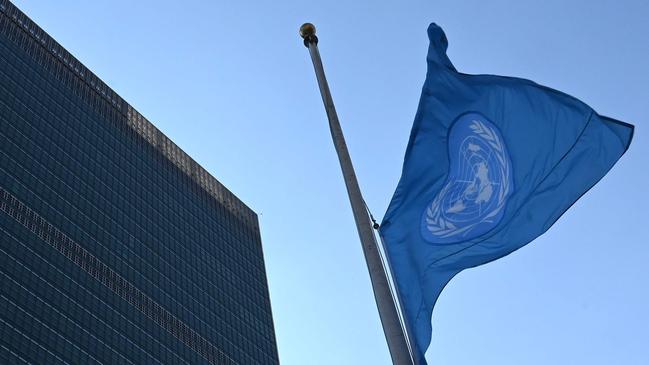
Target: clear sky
232 84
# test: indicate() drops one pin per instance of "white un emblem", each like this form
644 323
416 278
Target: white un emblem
479 182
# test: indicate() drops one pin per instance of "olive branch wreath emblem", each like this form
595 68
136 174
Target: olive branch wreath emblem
436 223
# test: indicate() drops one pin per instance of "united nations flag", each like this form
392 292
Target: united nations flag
491 164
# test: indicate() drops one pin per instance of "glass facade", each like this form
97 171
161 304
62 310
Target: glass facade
115 246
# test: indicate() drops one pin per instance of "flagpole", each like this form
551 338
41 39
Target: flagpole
392 328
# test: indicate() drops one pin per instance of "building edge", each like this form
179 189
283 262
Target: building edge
135 120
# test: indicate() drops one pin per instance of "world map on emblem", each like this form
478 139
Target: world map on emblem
473 198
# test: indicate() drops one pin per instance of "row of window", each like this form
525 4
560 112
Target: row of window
53 324
8 356
108 317
82 258
22 343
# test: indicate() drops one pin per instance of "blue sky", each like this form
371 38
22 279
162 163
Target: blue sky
232 84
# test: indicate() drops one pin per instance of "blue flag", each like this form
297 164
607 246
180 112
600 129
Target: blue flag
491 164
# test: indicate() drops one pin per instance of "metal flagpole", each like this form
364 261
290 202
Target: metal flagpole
394 333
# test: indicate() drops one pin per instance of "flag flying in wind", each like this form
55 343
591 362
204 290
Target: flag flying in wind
491 164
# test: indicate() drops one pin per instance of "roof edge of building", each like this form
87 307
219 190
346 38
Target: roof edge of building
136 121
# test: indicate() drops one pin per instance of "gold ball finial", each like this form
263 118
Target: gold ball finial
307 30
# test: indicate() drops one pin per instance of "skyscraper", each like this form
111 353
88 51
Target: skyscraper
115 246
